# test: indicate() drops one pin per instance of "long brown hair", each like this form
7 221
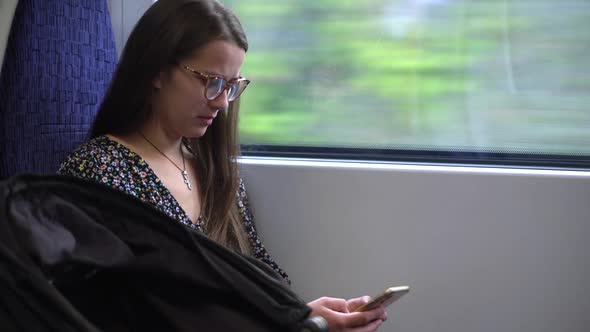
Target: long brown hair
168 32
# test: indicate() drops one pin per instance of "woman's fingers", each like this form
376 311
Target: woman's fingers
366 317
373 326
340 318
357 302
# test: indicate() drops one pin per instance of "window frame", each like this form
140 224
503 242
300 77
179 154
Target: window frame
415 156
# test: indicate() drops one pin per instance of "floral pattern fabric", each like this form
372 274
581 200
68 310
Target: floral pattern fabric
106 161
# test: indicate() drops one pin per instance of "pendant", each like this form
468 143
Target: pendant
188 182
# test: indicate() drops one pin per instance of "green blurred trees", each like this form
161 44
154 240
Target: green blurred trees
436 74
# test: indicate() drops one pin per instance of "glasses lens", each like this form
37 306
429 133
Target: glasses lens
231 94
214 88
236 90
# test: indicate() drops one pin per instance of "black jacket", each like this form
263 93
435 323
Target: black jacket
78 256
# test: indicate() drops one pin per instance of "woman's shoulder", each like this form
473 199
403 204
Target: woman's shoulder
94 146
96 151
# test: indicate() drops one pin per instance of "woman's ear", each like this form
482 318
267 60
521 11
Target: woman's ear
157 81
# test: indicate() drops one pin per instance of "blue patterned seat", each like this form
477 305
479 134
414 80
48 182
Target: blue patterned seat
59 59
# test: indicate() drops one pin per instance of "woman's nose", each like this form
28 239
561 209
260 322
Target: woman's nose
221 102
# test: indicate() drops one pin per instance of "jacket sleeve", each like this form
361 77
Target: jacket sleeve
260 251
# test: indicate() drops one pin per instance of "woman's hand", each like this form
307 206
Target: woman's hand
340 316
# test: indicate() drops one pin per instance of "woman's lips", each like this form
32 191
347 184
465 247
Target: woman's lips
205 120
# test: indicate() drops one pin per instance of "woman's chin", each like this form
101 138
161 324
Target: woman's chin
196 132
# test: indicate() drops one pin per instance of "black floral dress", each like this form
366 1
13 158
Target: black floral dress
106 161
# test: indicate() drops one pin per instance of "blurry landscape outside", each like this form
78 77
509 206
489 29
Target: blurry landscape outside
472 75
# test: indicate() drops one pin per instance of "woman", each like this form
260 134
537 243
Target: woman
166 133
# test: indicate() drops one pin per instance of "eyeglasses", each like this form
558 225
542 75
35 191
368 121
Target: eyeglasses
215 85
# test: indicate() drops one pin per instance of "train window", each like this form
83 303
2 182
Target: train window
492 81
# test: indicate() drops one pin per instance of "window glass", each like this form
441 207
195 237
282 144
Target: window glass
448 75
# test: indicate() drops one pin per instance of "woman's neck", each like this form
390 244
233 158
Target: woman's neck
167 142
150 142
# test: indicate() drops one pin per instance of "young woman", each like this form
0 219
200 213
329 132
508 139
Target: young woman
166 133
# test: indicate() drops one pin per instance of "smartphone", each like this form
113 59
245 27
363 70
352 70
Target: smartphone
386 298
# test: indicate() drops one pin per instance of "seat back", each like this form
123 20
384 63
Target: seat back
59 59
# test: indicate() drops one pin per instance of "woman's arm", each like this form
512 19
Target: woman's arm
259 250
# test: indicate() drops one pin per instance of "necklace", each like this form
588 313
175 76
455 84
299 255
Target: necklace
182 170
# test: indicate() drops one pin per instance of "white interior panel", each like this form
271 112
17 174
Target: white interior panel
483 249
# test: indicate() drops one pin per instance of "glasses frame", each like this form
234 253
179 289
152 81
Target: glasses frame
205 78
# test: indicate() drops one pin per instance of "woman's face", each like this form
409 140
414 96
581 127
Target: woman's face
180 106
